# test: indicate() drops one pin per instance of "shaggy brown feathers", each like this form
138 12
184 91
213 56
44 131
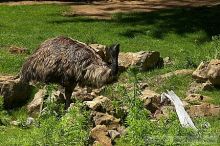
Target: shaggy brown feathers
68 62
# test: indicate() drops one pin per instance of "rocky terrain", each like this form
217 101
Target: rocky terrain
106 122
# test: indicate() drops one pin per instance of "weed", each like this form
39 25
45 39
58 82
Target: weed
216 46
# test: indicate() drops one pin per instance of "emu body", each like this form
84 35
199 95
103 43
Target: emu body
69 62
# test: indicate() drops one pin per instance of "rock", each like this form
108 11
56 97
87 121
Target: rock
214 72
30 121
207 86
86 93
99 134
196 87
185 104
105 119
113 134
151 100
167 61
14 92
57 96
18 50
15 123
100 49
72 105
143 86
36 104
164 111
200 74
122 130
100 103
82 94
208 71
204 109
177 72
96 143
196 98
142 60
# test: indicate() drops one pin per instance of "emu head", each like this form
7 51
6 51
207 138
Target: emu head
112 52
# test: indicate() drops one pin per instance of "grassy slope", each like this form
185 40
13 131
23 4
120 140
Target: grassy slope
183 34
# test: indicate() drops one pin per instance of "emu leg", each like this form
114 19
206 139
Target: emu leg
68 94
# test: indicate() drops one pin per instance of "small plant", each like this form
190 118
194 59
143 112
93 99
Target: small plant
70 129
51 106
4 117
216 46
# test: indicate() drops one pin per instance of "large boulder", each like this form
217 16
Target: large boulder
208 71
142 60
14 92
100 135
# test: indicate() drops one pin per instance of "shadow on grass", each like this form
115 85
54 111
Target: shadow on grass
176 20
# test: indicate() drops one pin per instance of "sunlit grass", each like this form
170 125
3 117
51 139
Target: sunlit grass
185 35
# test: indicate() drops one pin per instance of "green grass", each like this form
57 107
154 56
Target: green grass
184 34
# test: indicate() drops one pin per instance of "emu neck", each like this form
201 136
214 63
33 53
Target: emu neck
114 67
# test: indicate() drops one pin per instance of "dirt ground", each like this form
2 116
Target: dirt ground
104 9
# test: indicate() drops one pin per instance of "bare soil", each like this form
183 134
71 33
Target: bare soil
104 9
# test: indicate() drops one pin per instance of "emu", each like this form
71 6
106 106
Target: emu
68 62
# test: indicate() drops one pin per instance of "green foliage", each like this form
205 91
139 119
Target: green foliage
141 130
216 46
187 41
71 128
75 126
179 84
214 94
4 118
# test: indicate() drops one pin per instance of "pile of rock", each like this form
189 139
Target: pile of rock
106 127
207 75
